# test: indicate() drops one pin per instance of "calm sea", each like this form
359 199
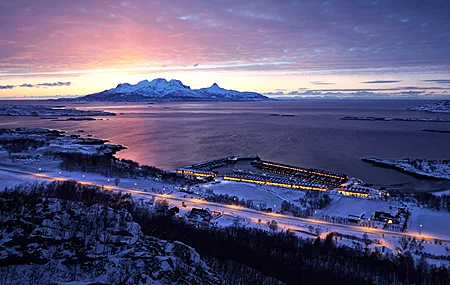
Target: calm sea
171 135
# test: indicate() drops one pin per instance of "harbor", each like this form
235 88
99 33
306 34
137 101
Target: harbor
266 173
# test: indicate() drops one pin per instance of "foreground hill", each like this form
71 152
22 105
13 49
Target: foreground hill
161 90
82 239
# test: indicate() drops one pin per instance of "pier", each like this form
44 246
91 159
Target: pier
318 175
205 168
275 181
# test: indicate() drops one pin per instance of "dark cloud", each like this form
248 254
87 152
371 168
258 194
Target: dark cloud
54 84
321 83
26 85
381 89
381 81
274 93
311 94
439 81
7 86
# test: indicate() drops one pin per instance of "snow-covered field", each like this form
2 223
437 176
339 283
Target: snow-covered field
247 191
346 205
434 223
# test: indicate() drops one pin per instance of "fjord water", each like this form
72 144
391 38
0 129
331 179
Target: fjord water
171 135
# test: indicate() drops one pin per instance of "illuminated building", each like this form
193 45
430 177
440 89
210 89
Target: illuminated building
196 172
354 191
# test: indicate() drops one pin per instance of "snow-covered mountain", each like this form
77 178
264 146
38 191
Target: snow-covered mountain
161 90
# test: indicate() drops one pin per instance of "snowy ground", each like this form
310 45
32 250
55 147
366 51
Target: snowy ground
434 223
8 179
247 191
345 205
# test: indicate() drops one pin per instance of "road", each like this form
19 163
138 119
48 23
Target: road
288 221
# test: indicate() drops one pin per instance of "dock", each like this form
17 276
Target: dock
275 181
206 168
318 175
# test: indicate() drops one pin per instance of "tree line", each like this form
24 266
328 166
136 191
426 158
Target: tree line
425 199
110 166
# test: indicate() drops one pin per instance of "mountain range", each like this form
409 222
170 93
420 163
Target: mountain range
161 90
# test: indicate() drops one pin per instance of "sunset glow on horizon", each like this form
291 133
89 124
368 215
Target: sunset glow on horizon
386 49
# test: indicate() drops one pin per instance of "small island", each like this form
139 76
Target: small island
47 111
282 115
388 119
436 131
439 107
77 119
37 143
434 169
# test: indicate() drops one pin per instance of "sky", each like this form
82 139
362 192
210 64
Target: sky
281 48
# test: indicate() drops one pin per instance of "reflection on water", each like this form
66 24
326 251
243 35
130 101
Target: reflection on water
170 135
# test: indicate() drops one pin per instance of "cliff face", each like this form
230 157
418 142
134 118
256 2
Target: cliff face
55 241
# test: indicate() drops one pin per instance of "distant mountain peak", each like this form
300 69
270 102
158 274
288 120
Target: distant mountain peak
161 90
123 85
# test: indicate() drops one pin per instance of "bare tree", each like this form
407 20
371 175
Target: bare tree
403 242
273 225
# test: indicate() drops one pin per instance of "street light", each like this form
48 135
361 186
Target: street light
40 169
420 229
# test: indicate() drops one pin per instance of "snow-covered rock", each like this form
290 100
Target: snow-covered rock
439 107
42 141
161 90
438 169
56 241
